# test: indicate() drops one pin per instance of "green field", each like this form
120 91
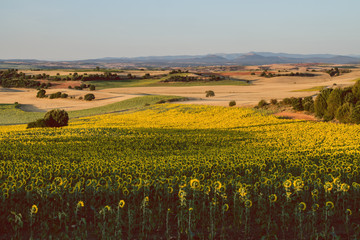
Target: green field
11 115
181 171
158 83
313 89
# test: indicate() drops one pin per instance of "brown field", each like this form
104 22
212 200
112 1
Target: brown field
262 88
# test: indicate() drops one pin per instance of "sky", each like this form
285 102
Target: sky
85 29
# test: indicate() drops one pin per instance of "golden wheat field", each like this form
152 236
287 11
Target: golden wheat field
173 171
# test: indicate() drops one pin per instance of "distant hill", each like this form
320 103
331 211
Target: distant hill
252 58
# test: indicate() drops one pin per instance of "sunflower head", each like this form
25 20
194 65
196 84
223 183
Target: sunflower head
80 204
273 198
248 203
329 205
34 209
302 206
121 203
194 183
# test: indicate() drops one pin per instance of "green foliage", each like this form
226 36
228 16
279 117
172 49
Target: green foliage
356 90
92 87
355 114
56 118
210 93
320 104
297 104
308 104
232 103
89 97
262 103
343 113
273 101
334 101
41 93
64 95
55 95
40 123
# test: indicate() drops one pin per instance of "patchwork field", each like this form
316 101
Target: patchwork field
181 171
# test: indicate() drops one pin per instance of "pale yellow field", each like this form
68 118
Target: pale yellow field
262 88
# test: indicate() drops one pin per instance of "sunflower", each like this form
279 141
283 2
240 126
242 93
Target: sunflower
328 186
315 207
329 205
80 204
121 203
287 184
225 207
344 187
194 183
217 185
34 209
273 198
348 212
302 206
248 203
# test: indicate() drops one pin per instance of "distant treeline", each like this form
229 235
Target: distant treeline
297 74
193 79
11 78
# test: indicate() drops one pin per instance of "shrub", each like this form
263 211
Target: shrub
78 88
92 87
83 85
262 103
40 123
308 104
89 97
69 87
273 101
64 95
296 103
232 103
161 101
210 93
56 118
286 101
80 98
41 93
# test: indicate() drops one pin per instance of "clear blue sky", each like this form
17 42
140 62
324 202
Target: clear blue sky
79 29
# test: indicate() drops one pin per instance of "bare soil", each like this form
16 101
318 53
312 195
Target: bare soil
261 88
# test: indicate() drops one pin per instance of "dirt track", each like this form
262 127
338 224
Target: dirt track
262 88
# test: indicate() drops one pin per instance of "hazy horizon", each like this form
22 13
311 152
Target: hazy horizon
75 30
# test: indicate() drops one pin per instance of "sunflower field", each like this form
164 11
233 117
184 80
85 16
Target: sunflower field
174 171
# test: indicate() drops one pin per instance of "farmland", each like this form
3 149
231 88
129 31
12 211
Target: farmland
181 171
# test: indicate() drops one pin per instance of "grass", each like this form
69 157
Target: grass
313 89
11 115
157 83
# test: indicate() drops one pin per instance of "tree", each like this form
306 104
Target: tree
56 118
41 93
92 87
89 97
232 103
210 93
343 113
320 104
333 102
